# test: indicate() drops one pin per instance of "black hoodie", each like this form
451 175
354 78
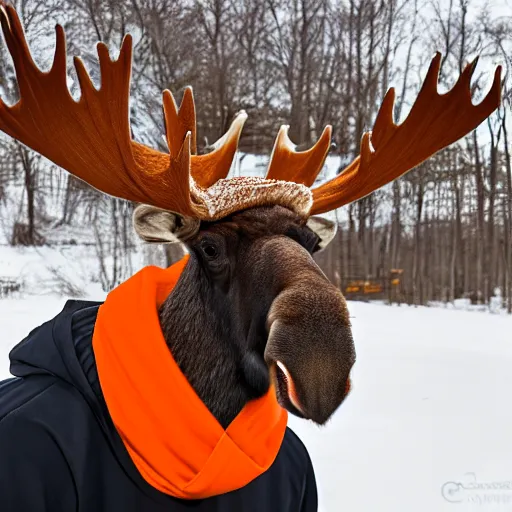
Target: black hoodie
60 451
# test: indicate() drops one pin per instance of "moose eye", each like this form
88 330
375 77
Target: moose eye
210 251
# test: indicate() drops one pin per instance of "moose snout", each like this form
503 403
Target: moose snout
310 350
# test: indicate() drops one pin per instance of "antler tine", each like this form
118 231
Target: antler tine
299 166
208 169
174 190
205 169
434 122
178 122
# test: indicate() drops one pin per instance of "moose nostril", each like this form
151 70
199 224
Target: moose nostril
348 386
290 387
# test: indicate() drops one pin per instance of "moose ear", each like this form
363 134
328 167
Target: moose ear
324 228
159 226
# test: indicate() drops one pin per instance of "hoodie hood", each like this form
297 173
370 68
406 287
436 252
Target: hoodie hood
49 350
178 446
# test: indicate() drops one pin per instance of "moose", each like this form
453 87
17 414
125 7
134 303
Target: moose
173 394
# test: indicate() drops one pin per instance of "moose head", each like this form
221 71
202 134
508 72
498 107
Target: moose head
251 308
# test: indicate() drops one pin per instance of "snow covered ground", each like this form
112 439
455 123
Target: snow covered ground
429 419
427 428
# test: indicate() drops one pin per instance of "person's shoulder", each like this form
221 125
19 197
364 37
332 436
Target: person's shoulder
38 417
34 399
295 442
294 450
21 427
34 471
18 393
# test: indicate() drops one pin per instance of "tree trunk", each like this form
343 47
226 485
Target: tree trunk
479 179
417 263
508 227
30 189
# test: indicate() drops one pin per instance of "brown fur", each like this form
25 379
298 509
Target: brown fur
216 319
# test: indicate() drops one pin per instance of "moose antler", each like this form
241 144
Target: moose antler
298 166
91 139
389 151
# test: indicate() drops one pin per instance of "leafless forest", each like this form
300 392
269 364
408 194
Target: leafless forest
447 225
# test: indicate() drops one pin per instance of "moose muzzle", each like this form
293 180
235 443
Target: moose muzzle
310 350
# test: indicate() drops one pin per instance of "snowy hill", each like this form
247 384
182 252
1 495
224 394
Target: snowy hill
428 427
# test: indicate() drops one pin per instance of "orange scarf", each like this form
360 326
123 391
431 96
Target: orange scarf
175 442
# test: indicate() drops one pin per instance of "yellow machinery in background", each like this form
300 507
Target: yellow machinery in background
388 287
